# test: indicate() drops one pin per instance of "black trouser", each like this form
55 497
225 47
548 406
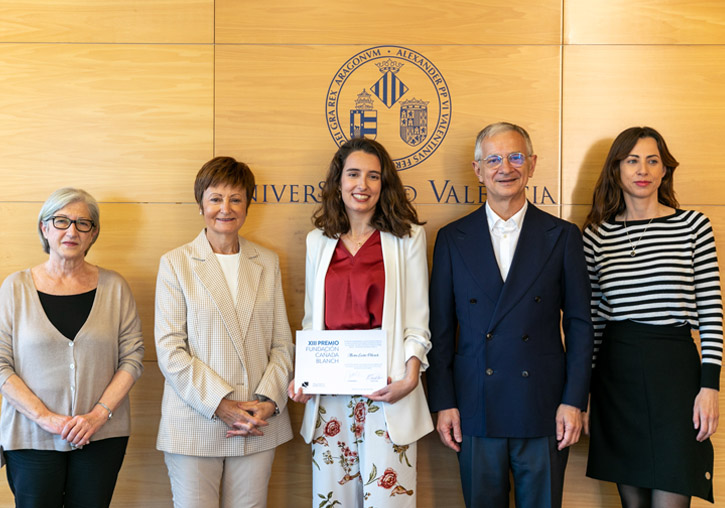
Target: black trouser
83 478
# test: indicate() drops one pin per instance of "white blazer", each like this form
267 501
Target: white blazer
208 348
405 319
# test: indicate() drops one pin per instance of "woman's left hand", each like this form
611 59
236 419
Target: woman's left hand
79 430
706 413
252 415
394 391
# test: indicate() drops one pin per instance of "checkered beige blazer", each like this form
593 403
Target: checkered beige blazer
209 349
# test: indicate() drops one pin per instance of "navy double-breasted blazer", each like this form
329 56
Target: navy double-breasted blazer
498 354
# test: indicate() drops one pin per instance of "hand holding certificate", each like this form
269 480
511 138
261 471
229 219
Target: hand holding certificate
341 362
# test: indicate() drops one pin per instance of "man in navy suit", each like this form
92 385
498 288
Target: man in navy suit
506 279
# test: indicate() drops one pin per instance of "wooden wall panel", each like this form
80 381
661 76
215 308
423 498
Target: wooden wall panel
271 106
110 21
126 122
19 237
644 22
127 99
675 89
392 22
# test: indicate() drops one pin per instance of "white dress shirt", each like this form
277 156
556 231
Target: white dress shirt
505 236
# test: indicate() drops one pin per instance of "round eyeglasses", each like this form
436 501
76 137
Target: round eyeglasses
82 225
516 159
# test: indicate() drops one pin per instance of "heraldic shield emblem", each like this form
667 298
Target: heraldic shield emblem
394 95
363 119
414 121
389 88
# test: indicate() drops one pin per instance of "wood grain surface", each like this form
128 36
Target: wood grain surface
128 99
107 21
331 22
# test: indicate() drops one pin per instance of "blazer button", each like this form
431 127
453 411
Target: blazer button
525 373
489 371
473 300
525 338
537 299
489 336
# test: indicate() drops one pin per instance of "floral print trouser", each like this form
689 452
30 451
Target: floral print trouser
354 463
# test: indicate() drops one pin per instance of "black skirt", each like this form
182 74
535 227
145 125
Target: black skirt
642 395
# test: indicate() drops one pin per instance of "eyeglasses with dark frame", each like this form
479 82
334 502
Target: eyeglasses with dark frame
82 225
516 159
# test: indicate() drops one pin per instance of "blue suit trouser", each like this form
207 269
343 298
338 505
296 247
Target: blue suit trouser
536 465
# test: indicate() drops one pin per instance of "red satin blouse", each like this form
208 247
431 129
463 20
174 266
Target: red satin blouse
355 287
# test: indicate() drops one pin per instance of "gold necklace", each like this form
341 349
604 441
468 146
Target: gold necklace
363 238
634 247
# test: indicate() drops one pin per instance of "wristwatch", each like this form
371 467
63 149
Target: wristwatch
262 398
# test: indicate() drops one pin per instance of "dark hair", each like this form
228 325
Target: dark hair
608 199
224 171
394 213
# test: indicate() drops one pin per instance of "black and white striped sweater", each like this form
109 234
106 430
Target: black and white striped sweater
673 279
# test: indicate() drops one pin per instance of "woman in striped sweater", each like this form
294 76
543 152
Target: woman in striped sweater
654 275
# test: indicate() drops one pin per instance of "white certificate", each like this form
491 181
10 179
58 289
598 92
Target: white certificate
341 362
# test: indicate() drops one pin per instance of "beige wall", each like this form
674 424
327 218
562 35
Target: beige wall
128 98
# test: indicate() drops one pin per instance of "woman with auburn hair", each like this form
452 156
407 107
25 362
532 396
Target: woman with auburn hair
654 274
225 349
367 268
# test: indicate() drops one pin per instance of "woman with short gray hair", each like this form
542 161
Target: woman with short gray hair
62 198
70 351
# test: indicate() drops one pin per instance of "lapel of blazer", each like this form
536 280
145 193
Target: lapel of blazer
388 246
250 273
327 249
473 241
209 272
537 239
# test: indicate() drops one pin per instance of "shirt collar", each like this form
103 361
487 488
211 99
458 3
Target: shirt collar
517 219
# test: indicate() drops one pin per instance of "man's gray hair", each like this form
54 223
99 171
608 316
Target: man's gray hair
498 128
